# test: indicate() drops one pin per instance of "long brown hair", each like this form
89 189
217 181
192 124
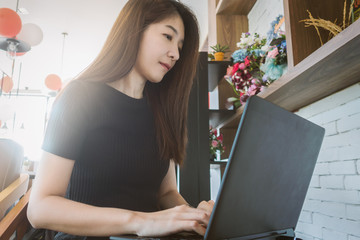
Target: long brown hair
169 98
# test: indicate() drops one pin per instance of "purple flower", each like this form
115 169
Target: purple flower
265 78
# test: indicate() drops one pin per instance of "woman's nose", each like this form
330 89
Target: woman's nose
174 53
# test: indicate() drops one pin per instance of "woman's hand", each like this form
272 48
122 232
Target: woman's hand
206 206
173 220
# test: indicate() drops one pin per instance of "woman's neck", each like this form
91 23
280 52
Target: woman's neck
131 85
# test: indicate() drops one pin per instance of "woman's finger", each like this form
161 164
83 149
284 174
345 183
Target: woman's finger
178 219
184 213
188 213
206 206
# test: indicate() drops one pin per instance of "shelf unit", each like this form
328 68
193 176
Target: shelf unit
218 117
216 72
234 7
314 71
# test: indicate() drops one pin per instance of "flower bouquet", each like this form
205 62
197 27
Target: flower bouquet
215 143
257 63
244 75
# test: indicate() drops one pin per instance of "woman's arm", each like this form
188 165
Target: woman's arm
168 194
170 197
50 210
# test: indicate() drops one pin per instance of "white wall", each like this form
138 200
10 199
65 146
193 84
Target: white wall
332 207
199 7
262 14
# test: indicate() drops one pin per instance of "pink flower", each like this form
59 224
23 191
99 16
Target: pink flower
220 138
229 71
247 61
242 66
235 68
214 143
273 53
252 90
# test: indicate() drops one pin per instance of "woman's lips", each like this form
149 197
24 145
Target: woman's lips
167 66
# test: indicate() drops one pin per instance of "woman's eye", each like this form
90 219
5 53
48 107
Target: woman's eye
169 37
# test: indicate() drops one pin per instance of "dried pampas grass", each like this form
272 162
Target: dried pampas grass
332 27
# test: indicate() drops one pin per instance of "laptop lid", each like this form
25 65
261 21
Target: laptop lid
267 175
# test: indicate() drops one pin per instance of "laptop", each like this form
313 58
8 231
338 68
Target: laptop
266 177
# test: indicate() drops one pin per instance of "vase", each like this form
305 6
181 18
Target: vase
219 56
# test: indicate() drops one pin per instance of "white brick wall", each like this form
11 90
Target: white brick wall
342 167
332 182
353 212
333 199
315 181
333 235
306 217
331 102
337 224
352 182
343 196
332 206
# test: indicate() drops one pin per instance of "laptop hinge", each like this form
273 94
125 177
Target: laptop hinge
273 235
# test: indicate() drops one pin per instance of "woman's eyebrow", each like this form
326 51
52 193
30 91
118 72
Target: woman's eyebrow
175 31
172 28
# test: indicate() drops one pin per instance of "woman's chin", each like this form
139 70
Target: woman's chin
155 80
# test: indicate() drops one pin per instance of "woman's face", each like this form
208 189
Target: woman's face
160 48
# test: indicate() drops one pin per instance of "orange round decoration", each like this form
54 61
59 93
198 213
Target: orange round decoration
53 82
6 84
20 53
10 22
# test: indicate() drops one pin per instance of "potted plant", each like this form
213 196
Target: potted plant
219 51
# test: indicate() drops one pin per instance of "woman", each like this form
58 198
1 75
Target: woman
117 131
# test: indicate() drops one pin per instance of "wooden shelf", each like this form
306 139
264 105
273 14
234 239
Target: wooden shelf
216 71
216 117
231 7
331 68
221 162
